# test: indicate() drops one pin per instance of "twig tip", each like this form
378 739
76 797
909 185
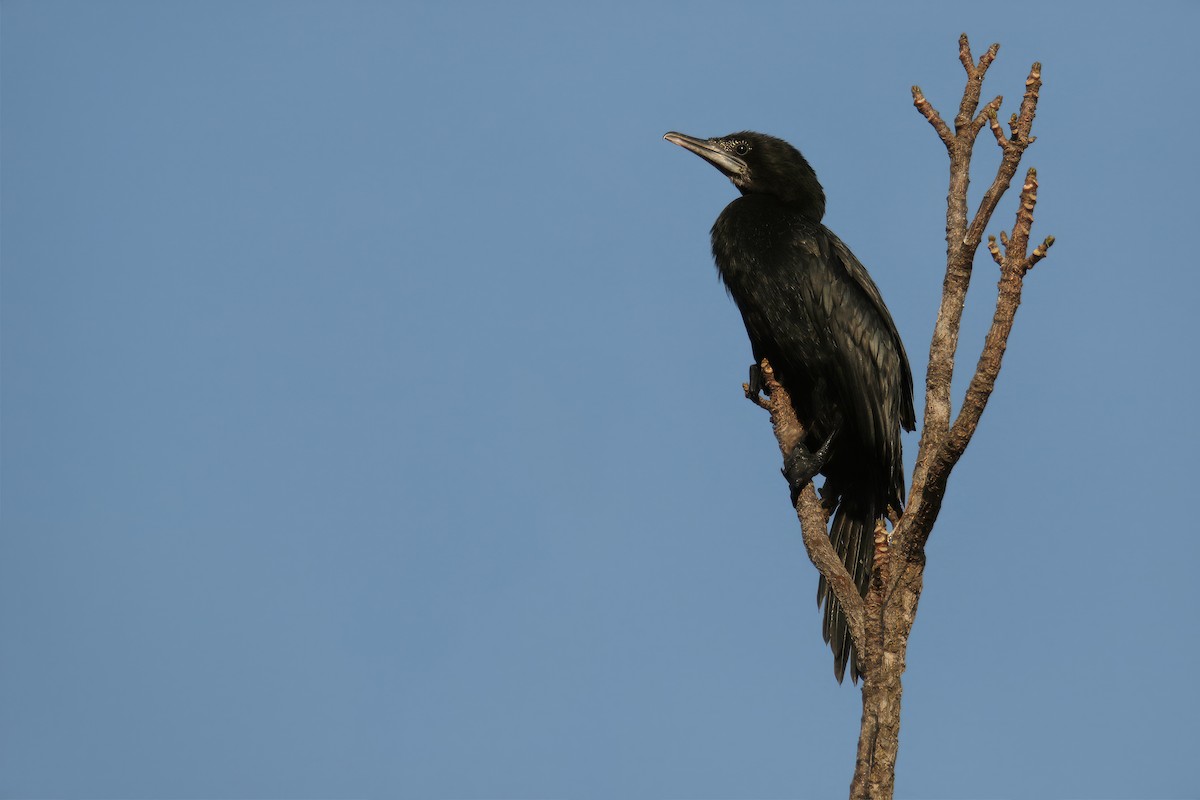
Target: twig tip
995 251
1039 252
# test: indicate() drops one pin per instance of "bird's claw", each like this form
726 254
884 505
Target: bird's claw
754 387
802 464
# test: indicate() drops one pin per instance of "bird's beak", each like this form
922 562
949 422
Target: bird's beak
731 165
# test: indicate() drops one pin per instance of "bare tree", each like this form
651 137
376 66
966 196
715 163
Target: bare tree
881 621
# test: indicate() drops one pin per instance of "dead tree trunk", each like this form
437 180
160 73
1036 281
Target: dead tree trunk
881 621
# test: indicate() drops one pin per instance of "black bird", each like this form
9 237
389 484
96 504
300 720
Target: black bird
814 313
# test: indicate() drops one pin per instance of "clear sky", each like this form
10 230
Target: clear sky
372 422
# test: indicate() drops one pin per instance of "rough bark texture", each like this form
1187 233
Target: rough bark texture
881 622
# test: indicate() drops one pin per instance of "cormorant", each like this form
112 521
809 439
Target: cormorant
813 312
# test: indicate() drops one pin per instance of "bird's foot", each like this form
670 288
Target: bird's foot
755 385
802 464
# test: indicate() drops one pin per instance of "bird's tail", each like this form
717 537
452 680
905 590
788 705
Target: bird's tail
853 536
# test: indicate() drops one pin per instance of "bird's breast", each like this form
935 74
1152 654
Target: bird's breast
754 241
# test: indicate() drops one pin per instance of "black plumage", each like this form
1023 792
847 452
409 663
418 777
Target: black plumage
811 309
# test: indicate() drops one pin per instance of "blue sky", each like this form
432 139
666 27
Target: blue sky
371 414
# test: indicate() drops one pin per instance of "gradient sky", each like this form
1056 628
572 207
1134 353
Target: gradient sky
372 422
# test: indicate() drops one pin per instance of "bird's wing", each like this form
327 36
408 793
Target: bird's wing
861 358
887 349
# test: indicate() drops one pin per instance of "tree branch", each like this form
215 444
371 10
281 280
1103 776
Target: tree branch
962 242
1013 149
935 119
988 113
975 75
814 520
891 601
1012 274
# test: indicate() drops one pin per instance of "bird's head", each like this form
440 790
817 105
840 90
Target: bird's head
761 164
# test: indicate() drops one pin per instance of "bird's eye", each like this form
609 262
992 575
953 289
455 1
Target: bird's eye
741 148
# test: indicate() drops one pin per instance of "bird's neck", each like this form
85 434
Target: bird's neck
757 216
805 204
